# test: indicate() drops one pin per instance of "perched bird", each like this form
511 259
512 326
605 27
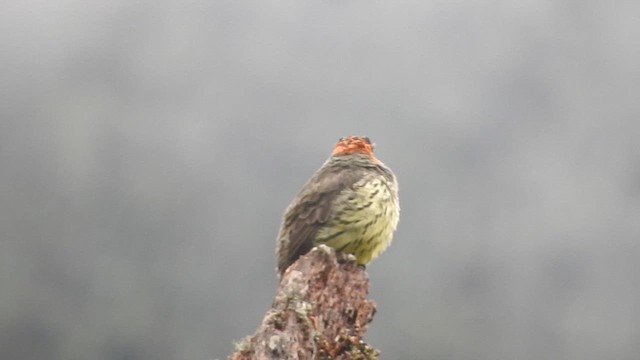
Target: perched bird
349 204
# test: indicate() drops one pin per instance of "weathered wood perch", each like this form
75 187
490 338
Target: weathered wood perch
321 311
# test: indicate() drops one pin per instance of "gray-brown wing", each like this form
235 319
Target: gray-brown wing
310 211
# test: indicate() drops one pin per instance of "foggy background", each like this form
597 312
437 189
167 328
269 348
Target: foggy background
149 149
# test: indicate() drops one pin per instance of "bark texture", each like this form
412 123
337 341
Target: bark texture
321 311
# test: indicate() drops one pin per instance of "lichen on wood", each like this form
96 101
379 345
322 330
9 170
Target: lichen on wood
320 311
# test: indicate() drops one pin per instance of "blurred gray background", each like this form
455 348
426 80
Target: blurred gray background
148 150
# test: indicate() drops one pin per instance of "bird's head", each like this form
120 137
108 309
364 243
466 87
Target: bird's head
354 145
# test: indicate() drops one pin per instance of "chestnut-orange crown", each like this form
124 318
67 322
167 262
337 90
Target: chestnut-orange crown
354 145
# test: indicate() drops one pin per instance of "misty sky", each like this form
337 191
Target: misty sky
148 150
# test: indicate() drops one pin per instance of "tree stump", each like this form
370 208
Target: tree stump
321 311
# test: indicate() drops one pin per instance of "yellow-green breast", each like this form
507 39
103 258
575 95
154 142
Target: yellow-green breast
364 218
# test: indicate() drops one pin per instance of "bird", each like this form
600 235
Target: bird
350 204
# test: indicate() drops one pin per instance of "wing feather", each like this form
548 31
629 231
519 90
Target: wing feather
310 211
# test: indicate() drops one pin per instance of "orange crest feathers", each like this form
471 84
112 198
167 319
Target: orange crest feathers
354 145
